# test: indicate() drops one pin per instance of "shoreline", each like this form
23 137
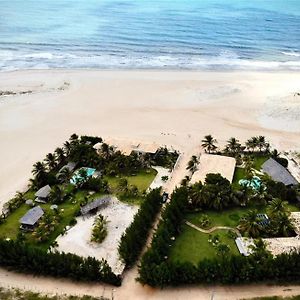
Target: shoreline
151 70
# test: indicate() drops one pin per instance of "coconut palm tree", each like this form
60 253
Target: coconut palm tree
64 175
50 161
233 145
252 143
192 164
250 224
56 194
248 166
261 143
195 194
67 148
283 225
277 206
38 168
74 138
60 155
209 143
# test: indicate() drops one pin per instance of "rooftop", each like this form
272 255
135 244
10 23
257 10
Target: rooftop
32 216
43 192
215 164
278 173
95 204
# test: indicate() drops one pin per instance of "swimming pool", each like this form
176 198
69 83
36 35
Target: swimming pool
254 183
77 178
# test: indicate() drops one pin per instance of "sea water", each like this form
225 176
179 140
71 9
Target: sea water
150 34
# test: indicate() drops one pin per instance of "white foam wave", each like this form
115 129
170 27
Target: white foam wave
292 53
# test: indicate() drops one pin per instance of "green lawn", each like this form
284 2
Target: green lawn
10 228
141 180
193 246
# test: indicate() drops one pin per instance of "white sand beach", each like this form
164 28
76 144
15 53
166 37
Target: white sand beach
167 108
173 108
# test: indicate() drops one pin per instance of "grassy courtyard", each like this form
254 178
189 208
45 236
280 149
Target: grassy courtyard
193 246
68 209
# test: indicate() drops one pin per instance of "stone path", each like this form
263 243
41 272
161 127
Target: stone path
213 228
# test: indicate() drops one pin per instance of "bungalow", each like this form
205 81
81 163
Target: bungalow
42 194
278 173
31 218
95 205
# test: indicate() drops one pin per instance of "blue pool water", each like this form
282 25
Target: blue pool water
77 178
172 34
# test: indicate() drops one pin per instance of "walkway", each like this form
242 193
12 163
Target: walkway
213 228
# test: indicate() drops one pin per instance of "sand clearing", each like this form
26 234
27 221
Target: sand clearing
77 240
215 164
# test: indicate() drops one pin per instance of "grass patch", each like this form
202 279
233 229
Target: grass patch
141 180
193 246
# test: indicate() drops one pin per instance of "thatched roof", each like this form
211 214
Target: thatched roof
32 216
43 192
278 172
95 204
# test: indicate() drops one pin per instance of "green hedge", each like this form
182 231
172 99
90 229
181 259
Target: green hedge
23 258
135 236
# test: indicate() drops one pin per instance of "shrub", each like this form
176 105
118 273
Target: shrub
99 231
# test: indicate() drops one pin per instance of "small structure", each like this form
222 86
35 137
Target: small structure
42 194
69 166
245 245
263 220
94 205
278 173
215 164
31 218
29 202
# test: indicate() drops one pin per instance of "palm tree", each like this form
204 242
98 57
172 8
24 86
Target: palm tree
208 143
276 207
64 175
250 224
252 143
38 168
195 194
73 138
50 161
56 194
248 166
261 143
60 155
192 164
67 148
233 145
283 225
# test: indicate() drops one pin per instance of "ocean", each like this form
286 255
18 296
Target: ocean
150 34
